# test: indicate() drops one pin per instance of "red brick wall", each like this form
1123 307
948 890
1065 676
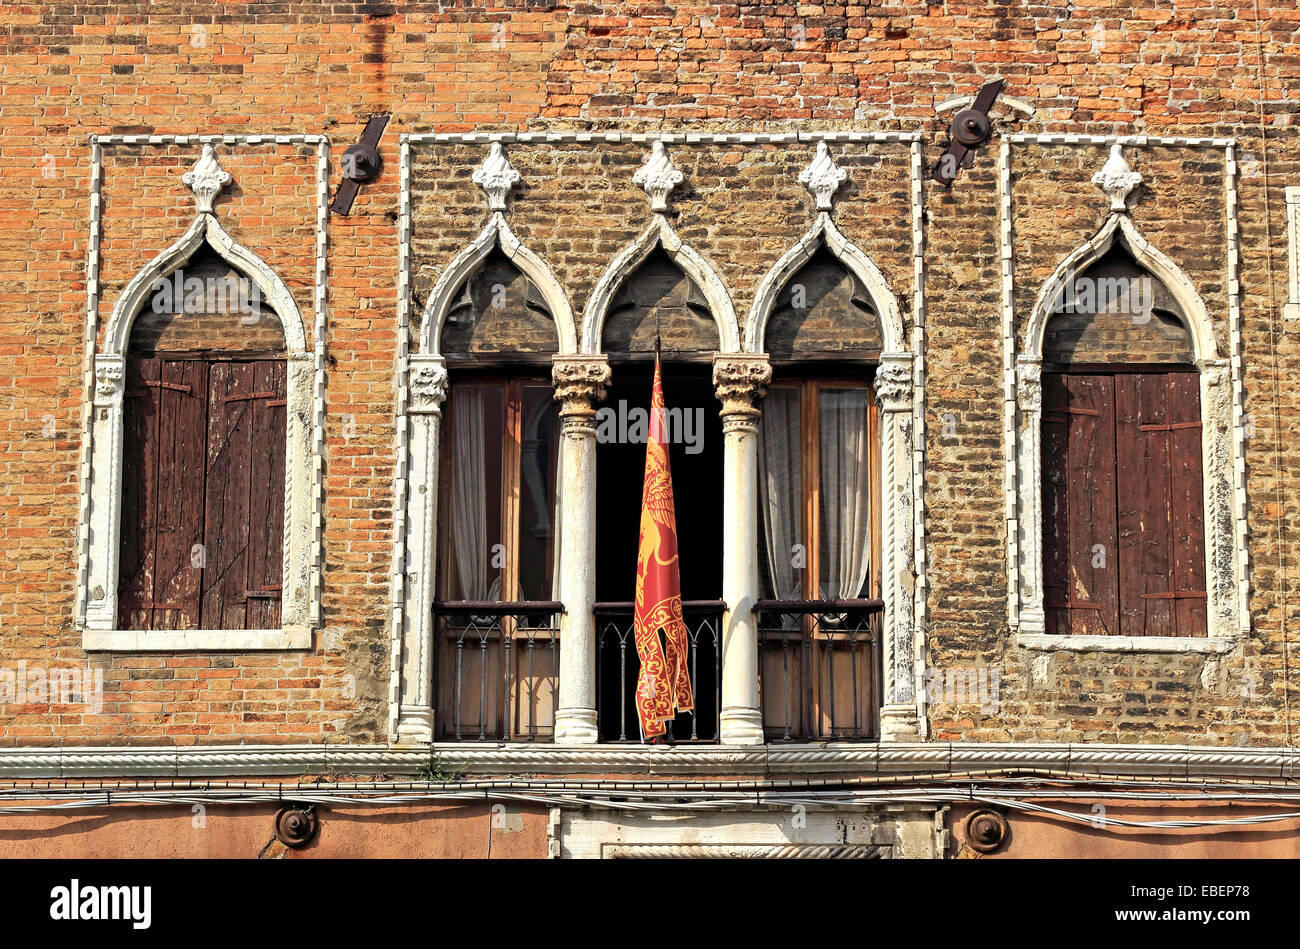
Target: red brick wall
134 67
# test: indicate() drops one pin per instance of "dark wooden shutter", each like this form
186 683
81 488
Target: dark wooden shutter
202 494
139 518
183 408
266 494
1080 582
1162 538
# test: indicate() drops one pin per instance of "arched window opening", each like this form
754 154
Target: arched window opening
819 510
1122 476
497 654
658 297
203 479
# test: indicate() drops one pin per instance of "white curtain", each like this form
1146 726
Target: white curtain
469 495
780 491
845 492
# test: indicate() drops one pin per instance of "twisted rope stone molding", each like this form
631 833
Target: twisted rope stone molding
748 851
919 758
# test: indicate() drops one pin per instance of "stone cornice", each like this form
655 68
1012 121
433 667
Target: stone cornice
850 759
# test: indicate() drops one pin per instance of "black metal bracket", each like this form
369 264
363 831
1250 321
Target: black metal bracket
971 128
360 163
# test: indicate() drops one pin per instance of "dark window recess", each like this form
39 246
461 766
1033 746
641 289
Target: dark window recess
202 494
1124 535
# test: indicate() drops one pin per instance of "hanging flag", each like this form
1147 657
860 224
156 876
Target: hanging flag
664 684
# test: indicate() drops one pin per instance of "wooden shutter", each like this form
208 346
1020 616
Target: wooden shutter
182 399
1080 582
266 496
202 495
139 521
1162 537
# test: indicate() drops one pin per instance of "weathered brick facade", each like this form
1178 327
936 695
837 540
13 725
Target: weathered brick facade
1184 69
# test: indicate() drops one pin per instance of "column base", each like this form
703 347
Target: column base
899 723
576 726
414 725
741 726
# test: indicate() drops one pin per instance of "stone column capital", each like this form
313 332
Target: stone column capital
110 379
427 381
579 383
1029 385
741 380
894 382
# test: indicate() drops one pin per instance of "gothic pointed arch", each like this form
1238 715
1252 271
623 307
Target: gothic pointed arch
660 234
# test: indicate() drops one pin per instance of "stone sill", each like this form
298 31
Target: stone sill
179 640
1202 644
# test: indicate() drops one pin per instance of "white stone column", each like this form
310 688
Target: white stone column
894 391
106 491
427 388
1029 402
741 380
579 384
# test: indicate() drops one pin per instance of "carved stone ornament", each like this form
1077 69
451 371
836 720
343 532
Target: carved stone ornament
428 387
108 380
1117 179
894 385
206 179
496 176
658 177
823 177
740 381
579 382
1029 389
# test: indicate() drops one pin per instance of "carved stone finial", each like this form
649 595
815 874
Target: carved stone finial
823 177
741 379
206 179
658 177
496 176
1117 179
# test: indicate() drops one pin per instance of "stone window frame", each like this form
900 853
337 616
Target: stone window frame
100 521
900 396
1291 309
423 384
580 375
1222 430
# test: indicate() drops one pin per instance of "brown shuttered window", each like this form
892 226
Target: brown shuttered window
202 494
1123 523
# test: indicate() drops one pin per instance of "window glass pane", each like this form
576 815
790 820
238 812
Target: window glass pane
845 495
538 464
473 519
782 557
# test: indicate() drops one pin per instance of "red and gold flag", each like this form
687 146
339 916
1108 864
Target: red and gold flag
664 683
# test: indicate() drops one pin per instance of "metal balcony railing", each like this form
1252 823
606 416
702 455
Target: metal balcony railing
617 665
819 668
498 667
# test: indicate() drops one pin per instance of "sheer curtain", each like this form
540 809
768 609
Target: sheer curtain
469 495
780 491
845 492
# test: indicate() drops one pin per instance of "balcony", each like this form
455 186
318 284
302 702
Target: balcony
819 668
497 667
